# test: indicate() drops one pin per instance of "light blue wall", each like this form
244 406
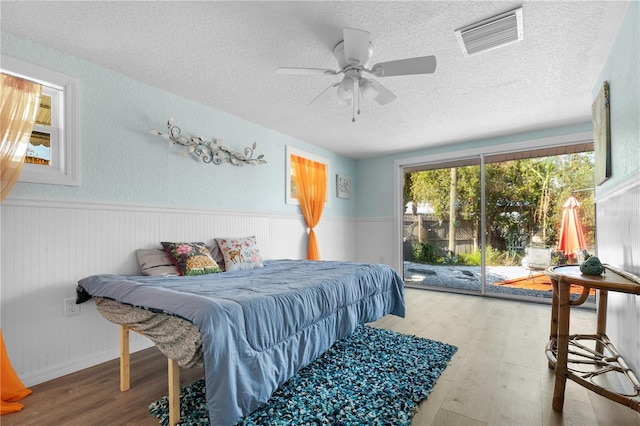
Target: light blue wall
622 70
123 163
375 176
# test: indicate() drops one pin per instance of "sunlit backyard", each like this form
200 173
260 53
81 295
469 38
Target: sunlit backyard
538 212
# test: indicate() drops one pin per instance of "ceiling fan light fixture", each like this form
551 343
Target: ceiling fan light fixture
345 88
491 33
353 54
343 94
368 90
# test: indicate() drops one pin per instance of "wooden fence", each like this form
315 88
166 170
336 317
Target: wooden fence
424 228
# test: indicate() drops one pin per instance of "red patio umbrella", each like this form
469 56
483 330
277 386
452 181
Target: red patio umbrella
571 234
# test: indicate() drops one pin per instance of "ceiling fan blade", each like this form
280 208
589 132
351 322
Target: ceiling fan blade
304 71
421 65
384 95
324 92
356 45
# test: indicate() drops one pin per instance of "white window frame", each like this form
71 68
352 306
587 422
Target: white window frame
64 167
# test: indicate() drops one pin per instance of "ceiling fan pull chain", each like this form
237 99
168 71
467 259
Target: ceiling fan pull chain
353 101
353 110
356 89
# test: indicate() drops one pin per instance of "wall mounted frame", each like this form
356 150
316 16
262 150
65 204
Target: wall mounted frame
602 134
343 186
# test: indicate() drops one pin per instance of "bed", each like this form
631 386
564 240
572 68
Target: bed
254 328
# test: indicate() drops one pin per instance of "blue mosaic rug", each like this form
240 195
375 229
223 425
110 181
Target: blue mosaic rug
373 377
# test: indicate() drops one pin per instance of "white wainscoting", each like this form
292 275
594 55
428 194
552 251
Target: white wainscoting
48 245
618 242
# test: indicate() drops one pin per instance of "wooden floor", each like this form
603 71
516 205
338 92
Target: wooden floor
499 375
92 397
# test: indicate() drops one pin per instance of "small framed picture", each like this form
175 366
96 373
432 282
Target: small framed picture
343 186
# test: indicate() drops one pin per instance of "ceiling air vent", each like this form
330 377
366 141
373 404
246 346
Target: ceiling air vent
491 33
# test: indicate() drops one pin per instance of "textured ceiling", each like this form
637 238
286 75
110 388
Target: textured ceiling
224 54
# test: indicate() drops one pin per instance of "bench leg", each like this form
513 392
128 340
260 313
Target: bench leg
124 358
174 392
173 376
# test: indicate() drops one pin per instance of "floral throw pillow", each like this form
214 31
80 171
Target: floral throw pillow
191 258
240 253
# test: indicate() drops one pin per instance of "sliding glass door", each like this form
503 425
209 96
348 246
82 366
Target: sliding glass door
441 226
492 224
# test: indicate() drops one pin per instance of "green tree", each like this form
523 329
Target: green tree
433 186
523 197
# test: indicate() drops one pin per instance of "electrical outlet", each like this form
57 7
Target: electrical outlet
71 308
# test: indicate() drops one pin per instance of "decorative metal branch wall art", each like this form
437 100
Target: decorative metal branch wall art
209 151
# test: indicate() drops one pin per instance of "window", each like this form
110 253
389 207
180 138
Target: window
291 193
40 140
53 155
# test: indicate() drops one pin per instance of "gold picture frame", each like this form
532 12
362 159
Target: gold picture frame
602 134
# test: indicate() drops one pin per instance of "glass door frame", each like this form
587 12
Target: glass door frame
400 165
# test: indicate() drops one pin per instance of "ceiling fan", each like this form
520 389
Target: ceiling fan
353 54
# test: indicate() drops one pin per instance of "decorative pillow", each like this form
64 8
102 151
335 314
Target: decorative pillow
240 253
191 258
155 262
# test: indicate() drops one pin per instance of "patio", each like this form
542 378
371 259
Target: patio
513 280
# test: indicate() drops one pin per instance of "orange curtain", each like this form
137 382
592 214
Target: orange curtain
12 388
19 105
310 178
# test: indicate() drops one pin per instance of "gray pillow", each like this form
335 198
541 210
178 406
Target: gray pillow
217 254
155 262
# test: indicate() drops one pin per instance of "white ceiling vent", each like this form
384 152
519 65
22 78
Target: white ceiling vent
491 33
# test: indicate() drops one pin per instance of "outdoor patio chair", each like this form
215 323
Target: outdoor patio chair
538 259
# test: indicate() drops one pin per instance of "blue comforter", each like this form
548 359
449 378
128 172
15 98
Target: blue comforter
259 327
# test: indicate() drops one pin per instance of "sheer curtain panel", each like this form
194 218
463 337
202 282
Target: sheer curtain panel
19 108
310 178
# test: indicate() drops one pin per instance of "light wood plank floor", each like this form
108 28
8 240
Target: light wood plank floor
499 375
